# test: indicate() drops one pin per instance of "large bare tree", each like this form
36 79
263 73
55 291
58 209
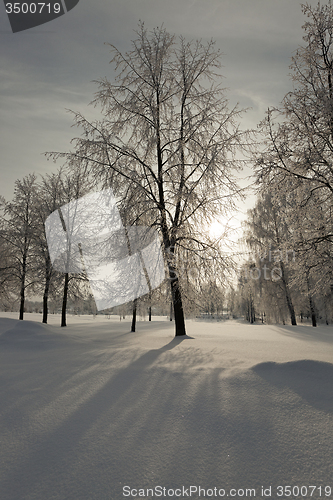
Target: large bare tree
166 142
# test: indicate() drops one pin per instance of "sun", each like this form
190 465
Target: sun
227 230
217 229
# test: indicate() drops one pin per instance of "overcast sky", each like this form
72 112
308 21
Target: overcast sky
46 69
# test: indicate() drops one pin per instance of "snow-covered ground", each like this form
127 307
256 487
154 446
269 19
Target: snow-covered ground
92 408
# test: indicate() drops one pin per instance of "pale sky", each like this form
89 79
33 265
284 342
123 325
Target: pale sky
46 69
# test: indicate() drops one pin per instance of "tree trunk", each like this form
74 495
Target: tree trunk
45 296
313 312
22 292
288 296
250 314
291 308
177 303
64 301
311 304
45 299
134 315
149 314
22 295
253 313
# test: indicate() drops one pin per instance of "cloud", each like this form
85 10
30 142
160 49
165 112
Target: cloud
47 69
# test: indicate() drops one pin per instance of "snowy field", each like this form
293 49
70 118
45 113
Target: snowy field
92 408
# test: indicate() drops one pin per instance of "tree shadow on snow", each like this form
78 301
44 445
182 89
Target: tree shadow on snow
151 356
311 380
308 333
115 405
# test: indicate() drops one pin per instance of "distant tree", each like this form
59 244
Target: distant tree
168 136
6 258
297 159
231 298
19 233
247 288
310 223
268 236
50 198
74 185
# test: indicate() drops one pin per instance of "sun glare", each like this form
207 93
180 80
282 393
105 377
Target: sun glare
217 229
228 231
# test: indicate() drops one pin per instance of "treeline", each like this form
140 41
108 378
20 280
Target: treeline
289 233
26 266
26 269
27 273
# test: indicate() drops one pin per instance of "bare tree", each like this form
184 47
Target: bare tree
6 258
299 134
310 224
19 232
268 235
168 137
73 186
50 198
298 154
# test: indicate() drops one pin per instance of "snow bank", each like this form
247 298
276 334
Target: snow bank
90 409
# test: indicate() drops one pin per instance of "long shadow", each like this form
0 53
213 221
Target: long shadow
311 380
171 426
151 356
126 383
307 333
